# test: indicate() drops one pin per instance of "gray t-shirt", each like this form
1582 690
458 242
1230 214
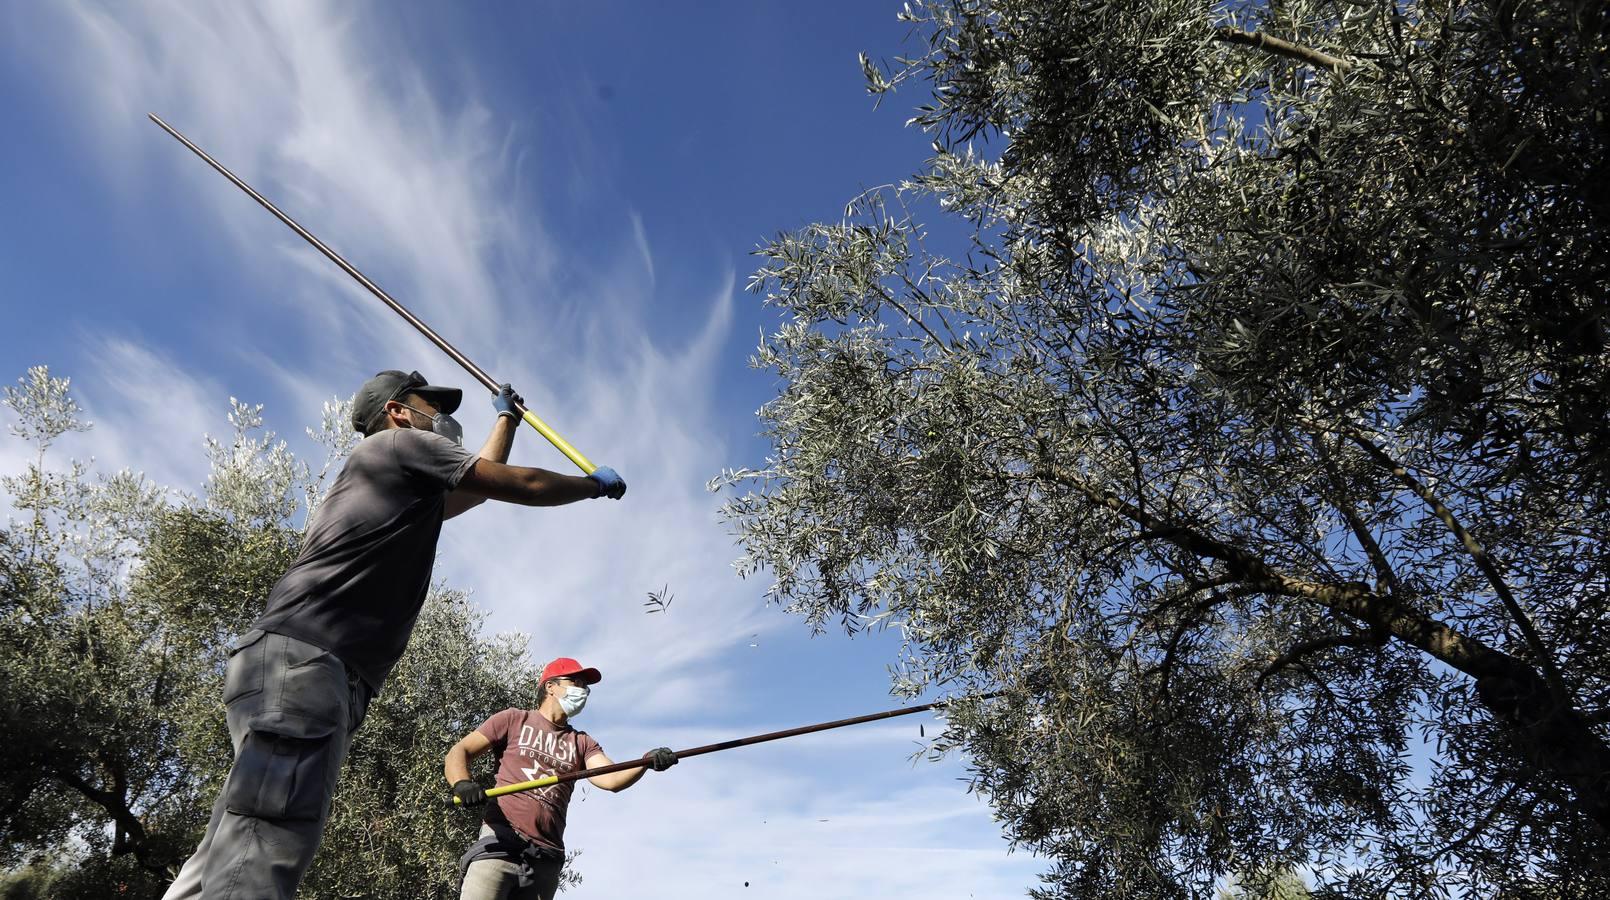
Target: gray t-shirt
366 559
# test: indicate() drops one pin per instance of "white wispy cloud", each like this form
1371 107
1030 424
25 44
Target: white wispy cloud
434 195
149 413
641 237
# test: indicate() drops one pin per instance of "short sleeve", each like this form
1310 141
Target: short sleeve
587 746
429 459
497 728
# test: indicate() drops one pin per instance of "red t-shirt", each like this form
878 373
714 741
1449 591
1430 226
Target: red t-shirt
531 747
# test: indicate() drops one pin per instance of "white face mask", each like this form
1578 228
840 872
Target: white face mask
573 699
444 425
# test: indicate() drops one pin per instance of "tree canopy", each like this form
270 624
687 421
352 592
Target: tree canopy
1240 372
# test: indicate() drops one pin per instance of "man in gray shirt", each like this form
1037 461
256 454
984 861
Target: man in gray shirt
299 682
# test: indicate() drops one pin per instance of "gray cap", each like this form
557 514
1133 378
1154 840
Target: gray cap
392 385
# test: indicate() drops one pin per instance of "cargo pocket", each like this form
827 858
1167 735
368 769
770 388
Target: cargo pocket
283 771
290 750
243 676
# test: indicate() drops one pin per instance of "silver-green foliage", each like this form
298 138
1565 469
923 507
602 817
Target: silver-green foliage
118 601
1240 370
1279 884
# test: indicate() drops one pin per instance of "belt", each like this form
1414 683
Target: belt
506 844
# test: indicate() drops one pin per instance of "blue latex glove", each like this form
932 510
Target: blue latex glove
505 400
609 483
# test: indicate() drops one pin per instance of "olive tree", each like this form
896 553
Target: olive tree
1237 371
83 679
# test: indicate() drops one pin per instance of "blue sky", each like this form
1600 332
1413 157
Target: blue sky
570 193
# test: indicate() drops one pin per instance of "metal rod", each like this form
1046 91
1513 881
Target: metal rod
476 371
713 748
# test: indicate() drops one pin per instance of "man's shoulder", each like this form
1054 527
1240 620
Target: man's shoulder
379 442
419 437
374 457
409 448
504 717
391 438
427 451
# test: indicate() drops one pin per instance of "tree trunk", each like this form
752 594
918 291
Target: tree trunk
130 836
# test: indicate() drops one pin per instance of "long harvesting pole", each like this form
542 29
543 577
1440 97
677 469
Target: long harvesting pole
713 748
476 371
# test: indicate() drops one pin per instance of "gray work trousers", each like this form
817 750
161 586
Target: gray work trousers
292 711
497 879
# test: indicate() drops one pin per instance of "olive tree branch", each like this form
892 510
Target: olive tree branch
938 342
1371 638
1192 617
1554 735
1477 552
1384 573
1279 47
1356 599
129 835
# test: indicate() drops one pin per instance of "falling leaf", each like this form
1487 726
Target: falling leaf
659 601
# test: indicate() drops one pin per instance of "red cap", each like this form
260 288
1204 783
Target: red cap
564 665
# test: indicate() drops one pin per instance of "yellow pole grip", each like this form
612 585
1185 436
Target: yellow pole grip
515 788
585 464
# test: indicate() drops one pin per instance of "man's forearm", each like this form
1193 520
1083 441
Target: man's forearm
554 489
526 485
457 766
619 781
496 449
501 440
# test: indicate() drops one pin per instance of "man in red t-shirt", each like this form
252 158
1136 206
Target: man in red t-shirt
522 848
